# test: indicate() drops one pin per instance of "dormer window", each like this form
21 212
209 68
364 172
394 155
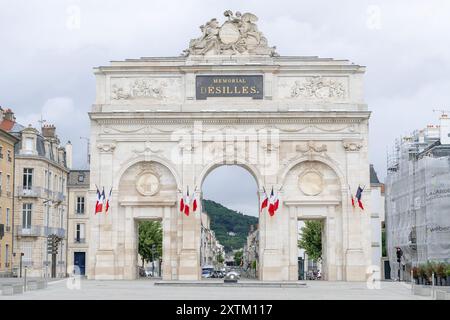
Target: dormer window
29 145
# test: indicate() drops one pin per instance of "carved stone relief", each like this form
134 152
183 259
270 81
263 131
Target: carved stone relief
314 88
157 89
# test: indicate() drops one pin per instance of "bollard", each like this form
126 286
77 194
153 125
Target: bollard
25 280
432 285
412 282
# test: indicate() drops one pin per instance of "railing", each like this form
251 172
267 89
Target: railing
32 192
40 231
32 231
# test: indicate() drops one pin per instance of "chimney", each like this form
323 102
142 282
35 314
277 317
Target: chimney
69 153
9 115
48 131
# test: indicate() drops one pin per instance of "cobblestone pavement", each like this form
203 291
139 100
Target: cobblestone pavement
145 289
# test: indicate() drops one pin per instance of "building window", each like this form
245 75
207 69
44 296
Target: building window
79 232
9 156
29 144
27 178
27 249
1 181
50 180
61 218
45 179
7 255
8 183
26 215
7 216
80 205
1 152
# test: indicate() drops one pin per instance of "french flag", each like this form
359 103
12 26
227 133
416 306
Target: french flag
359 196
273 203
98 203
108 201
265 201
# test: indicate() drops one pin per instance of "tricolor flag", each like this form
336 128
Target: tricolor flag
273 203
358 197
182 203
194 204
265 201
187 203
109 199
102 200
351 195
98 205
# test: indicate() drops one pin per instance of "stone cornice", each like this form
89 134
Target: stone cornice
170 118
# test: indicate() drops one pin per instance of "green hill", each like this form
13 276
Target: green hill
224 220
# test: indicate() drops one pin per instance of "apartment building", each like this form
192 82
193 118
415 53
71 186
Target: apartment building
78 221
7 142
40 199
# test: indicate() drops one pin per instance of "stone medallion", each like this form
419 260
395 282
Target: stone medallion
311 183
148 184
229 33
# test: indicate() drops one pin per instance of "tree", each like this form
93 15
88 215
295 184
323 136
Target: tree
220 258
311 239
238 257
150 234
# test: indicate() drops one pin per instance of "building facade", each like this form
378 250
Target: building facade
78 221
40 201
7 142
298 124
210 249
251 249
377 199
418 198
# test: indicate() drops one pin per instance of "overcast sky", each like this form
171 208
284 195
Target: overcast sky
48 49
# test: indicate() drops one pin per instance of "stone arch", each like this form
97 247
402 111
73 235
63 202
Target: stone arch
330 163
253 170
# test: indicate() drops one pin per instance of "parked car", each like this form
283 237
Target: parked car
235 272
206 273
149 272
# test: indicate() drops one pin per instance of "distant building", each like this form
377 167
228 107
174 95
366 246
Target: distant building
210 249
418 198
7 143
40 199
78 224
377 201
251 248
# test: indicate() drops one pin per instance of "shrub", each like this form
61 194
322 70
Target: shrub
440 269
415 272
447 271
421 271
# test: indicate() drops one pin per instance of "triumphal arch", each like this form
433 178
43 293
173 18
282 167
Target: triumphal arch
298 124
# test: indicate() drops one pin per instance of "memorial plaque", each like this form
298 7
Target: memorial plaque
229 86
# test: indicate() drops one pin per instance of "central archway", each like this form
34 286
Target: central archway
229 221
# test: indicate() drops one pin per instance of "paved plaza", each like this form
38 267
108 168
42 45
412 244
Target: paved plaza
147 290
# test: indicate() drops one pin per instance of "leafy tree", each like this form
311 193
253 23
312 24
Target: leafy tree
238 255
220 258
311 239
150 234
224 220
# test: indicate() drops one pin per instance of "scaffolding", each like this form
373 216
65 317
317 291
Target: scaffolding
418 200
